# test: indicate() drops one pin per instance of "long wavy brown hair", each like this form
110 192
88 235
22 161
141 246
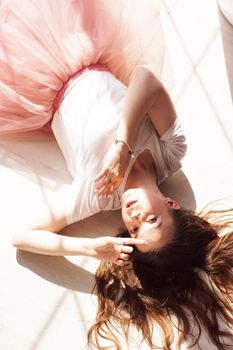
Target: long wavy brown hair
189 280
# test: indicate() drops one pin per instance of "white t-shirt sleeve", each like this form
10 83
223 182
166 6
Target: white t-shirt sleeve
173 147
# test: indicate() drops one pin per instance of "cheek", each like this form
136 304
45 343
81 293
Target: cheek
125 219
151 238
144 248
145 236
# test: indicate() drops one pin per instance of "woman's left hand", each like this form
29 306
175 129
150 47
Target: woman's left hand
113 170
113 249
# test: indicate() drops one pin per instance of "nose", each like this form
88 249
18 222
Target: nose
135 213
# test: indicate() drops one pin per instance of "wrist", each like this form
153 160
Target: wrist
88 247
77 246
123 146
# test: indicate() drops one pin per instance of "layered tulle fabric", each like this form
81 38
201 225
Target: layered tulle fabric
45 42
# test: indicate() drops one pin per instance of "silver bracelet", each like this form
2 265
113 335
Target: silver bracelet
131 152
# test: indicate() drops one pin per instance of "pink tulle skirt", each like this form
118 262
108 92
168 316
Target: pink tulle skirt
43 43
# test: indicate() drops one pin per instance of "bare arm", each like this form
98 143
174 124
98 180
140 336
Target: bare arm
45 242
39 235
145 96
42 241
42 238
162 111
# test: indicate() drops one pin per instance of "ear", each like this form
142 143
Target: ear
172 203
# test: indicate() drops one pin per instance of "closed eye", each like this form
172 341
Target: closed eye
152 220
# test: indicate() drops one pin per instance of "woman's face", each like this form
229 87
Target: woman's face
146 215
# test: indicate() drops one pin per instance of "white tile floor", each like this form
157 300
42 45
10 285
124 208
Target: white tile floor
46 302
202 97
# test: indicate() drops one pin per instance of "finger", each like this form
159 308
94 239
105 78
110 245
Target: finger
124 256
106 184
104 190
120 262
116 184
101 175
126 249
107 188
101 185
129 241
102 181
113 188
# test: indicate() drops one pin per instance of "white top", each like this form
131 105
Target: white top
85 126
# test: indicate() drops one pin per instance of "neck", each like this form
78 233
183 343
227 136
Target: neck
143 173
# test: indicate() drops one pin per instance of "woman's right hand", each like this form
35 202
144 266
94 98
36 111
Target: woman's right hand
113 170
113 249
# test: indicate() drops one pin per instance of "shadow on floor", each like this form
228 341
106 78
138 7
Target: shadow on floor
179 188
58 270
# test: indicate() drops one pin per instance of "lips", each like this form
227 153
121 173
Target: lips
130 203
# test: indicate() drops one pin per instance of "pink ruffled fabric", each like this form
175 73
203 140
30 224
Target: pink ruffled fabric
45 42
